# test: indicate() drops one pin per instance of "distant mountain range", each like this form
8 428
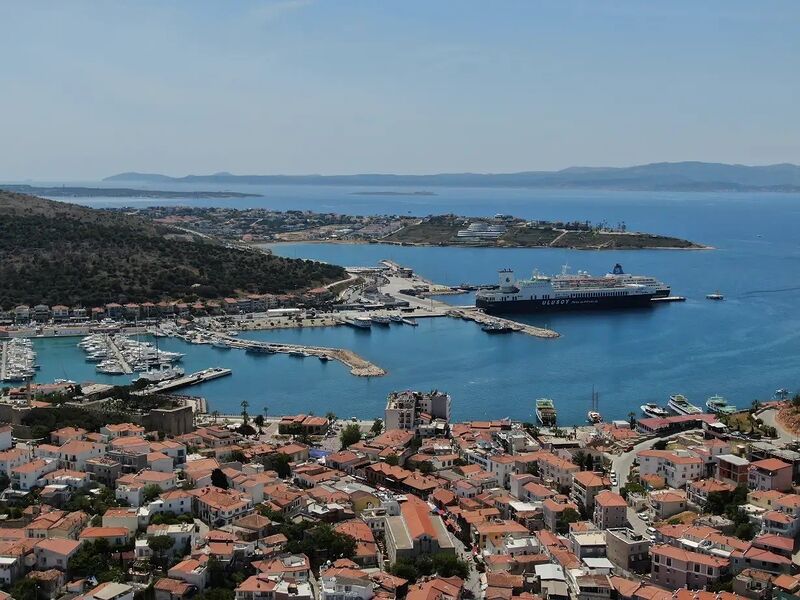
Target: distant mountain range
680 176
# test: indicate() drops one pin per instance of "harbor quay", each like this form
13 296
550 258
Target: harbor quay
496 505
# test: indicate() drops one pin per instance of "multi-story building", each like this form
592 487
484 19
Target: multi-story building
667 503
585 486
677 467
770 474
675 568
732 469
610 510
627 549
697 491
409 409
220 507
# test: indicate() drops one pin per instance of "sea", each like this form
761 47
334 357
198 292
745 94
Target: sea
743 348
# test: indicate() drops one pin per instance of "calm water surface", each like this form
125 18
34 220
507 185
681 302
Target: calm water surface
742 348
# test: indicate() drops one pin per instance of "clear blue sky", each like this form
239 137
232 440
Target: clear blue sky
88 89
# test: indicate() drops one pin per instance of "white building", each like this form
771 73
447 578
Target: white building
336 586
409 409
676 467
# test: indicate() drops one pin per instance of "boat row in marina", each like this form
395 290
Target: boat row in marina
679 405
119 355
18 360
382 320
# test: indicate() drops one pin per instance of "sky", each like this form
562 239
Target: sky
89 89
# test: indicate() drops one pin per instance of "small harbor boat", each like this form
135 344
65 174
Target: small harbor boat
323 357
718 404
410 321
781 394
297 353
381 320
396 318
681 406
651 409
220 344
163 373
715 296
594 416
546 411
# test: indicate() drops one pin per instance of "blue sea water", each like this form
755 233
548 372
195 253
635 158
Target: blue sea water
743 348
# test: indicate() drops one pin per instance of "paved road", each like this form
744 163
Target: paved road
473 582
768 416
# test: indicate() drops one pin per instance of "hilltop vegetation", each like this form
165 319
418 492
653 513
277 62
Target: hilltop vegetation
57 253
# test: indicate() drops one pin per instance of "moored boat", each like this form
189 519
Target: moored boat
718 404
546 411
679 404
651 409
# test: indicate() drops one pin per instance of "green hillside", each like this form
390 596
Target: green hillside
58 253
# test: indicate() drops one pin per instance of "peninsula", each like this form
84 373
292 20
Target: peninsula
498 231
54 253
107 192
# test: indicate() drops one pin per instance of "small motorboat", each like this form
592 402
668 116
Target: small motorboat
715 296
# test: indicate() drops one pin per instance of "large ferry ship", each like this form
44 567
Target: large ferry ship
546 411
580 291
662 289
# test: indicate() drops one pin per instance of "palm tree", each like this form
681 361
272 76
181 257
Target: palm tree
266 411
331 416
755 405
245 417
215 414
632 419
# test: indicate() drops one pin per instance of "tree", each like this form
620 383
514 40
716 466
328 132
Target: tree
150 492
632 419
350 435
392 460
245 417
215 415
425 467
259 421
377 427
449 565
578 458
588 462
217 594
218 479
24 589
279 463
319 543
568 515
330 416
755 405
160 545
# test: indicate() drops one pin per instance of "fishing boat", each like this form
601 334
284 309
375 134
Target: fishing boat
651 409
715 296
681 406
546 411
718 404
323 357
410 321
594 416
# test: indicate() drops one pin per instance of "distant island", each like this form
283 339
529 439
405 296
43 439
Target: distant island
91 192
261 225
58 253
674 177
392 193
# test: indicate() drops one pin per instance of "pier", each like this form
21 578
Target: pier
124 365
185 381
399 278
358 365
481 318
3 360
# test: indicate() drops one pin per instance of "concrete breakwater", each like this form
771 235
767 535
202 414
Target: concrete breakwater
358 365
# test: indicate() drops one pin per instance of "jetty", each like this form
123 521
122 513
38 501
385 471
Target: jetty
123 363
3 360
473 314
185 381
358 365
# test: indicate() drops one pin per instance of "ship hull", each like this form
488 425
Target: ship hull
563 304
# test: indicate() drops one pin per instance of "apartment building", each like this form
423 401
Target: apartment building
770 474
675 568
677 467
610 510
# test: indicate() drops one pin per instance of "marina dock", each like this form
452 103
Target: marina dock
358 365
186 380
123 363
3 360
